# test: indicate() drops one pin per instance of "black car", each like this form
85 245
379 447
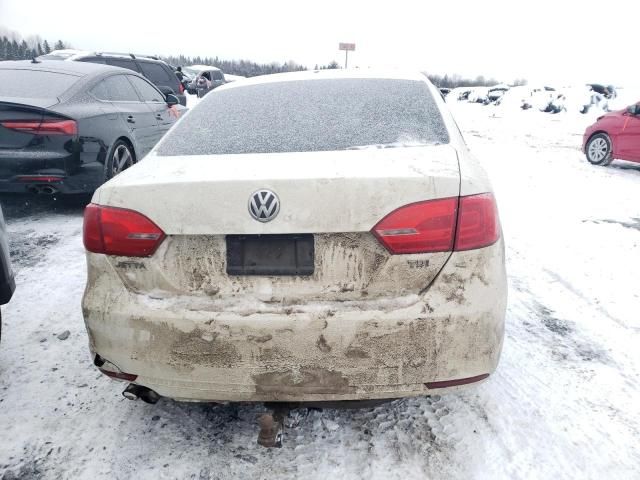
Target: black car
7 281
157 71
67 127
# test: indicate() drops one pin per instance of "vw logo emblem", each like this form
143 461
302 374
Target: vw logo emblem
264 205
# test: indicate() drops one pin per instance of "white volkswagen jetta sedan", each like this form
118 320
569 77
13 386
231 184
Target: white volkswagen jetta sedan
302 237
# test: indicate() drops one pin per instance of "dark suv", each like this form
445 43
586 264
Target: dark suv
158 72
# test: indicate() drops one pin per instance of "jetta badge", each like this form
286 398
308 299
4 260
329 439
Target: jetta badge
264 205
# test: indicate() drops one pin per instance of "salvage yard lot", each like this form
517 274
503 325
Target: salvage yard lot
562 404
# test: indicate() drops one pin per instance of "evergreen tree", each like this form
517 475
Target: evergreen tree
46 47
14 51
39 49
4 45
59 45
23 50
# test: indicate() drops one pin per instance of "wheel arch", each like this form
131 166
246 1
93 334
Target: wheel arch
130 144
612 139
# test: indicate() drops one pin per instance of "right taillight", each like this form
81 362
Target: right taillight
440 225
478 223
118 231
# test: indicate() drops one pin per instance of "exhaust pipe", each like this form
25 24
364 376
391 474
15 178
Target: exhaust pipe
134 392
42 189
48 190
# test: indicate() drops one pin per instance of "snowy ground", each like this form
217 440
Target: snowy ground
564 403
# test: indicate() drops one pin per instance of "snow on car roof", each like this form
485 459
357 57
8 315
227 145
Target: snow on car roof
70 68
355 73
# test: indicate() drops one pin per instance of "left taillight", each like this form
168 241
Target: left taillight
43 127
423 227
119 231
181 87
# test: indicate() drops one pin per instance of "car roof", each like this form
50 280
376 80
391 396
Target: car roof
79 69
355 73
71 54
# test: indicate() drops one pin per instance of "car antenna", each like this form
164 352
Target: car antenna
35 60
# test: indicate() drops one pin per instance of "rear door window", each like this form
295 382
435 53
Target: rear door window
123 63
101 92
147 92
155 73
217 75
119 89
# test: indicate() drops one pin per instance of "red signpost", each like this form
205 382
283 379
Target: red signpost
347 47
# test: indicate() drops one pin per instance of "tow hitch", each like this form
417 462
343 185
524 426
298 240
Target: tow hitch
272 424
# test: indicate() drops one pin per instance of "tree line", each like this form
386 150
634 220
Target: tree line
245 68
12 49
453 81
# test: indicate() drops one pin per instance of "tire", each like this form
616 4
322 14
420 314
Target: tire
120 158
599 150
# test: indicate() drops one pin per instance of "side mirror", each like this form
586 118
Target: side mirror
165 90
172 100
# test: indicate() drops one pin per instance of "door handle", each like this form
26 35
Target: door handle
159 116
131 119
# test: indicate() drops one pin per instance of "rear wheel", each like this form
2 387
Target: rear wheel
120 158
599 149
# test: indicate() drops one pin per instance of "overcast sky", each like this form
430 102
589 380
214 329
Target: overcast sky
546 41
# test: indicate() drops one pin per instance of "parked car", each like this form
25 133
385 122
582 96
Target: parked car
154 69
599 96
349 248
537 98
495 94
615 135
7 279
66 127
213 76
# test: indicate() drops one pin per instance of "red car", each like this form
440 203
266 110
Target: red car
615 135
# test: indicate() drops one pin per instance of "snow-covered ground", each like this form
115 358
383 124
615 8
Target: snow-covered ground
564 403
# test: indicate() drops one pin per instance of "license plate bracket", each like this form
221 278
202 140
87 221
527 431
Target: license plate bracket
274 255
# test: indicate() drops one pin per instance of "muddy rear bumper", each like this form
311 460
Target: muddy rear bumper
318 352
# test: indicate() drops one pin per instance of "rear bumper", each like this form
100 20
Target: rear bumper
86 179
313 352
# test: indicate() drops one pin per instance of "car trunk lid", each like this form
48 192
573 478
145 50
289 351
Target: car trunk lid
336 198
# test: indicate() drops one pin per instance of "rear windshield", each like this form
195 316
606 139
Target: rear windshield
307 116
34 83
